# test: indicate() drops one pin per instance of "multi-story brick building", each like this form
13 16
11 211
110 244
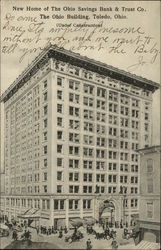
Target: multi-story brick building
72 128
149 213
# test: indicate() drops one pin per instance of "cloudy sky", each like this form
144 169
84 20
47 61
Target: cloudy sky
19 19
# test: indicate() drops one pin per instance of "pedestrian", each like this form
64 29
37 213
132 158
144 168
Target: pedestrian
114 245
88 245
60 234
14 235
65 230
37 229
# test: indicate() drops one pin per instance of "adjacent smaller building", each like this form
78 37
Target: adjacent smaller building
149 214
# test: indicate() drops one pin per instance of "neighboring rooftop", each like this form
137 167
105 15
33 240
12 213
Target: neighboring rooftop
53 51
151 149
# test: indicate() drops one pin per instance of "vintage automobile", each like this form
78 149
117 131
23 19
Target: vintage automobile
4 230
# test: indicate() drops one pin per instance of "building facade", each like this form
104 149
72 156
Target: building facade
149 213
72 128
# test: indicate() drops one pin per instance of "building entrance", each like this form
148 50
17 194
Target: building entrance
107 213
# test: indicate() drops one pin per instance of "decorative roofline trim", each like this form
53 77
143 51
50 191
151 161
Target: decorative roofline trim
102 69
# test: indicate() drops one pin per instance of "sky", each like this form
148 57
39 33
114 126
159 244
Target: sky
139 47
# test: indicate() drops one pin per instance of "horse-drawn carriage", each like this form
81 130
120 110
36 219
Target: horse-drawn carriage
76 236
127 234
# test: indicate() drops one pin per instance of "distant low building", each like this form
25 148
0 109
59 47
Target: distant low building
149 214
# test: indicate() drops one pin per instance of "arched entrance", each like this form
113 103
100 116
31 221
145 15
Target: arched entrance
107 213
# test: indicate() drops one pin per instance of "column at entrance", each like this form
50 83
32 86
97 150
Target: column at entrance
81 208
67 213
51 211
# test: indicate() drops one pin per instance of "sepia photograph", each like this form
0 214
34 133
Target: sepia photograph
80 150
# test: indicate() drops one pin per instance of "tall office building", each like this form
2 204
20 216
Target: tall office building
72 128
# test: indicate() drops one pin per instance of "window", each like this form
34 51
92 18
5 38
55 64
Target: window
112 178
59 148
45 188
86 204
59 188
59 108
73 111
73 204
43 204
73 150
73 163
88 89
73 189
74 85
87 177
87 189
59 81
150 185
74 137
73 176
149 165
45 136
45 84
101 104
59 135
59 94
45 96
45 110
113 96
45 163
101 92
48 204
88 152
56 204
134 179
45 123
149 210
45 149
45 176
59 162
87 164
59 121
112 166
134 202
59 176
61 204
111 189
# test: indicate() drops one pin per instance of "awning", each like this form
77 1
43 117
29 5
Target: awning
30 214
3 226
135 216
89 220
76 222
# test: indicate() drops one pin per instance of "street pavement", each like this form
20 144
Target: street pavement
53 239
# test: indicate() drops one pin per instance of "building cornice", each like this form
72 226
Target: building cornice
53 51
152 149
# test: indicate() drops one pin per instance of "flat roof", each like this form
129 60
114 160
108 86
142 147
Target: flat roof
59 53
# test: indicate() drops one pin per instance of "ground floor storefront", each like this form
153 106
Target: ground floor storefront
61 210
